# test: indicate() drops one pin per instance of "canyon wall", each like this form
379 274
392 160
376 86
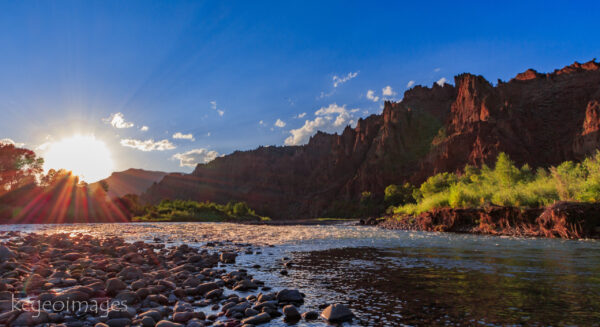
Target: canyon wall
539 119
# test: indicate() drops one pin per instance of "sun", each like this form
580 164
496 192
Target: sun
84 155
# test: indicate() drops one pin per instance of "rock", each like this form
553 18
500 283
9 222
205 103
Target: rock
251 312
244 285
206 287
214 294
71 296
154 314
100 325
34 282
291 313
121 313
130 273
114 285
310 315
30 318
6 253
262 318
72 256
228 257
118 322
147 321
337 313
182 306
128 297
290 296
166 323
142 293
182 317
138 284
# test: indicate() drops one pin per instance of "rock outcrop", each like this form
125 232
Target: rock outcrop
539 119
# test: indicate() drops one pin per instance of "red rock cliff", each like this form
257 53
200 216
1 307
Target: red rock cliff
540 119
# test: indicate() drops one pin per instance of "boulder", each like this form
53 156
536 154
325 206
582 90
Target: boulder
130 273
166 323
114 286
182 317
293 296
5 253
262 318
228 257
310 315
337 313
119 322
291 313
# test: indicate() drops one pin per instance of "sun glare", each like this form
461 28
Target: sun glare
84 155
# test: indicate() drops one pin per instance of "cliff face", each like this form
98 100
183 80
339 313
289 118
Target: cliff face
540 119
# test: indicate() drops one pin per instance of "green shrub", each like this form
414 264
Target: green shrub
508 185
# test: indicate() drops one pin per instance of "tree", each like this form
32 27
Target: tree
240 209
52 177
505 170
395 195
18 167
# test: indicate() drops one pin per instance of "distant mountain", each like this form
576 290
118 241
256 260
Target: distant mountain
130 181
539 119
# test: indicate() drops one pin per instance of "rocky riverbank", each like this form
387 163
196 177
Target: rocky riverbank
567 220
78 280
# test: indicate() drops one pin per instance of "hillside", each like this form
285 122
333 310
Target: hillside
130 181
539 119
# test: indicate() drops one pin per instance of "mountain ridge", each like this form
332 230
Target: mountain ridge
539 119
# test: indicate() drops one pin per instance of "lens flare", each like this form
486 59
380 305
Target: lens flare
84 155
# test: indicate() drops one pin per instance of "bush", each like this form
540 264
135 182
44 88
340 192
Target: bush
181 210
508 185
399 194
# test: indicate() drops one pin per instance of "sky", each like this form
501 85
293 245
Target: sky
168 84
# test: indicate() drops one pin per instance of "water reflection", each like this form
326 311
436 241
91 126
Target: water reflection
415 287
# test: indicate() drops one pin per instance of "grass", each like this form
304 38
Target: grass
508 185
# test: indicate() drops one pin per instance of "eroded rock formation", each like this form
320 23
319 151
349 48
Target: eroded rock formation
539 119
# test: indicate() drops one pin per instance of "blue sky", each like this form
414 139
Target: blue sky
226 72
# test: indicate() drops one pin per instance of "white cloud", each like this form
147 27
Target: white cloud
329 119
194 157
208 134
148 145
144 128
410 83
261 122
11 142
387 91
181 136
117 120
300 115
371 96
213 105
337 80
441 81
325 95
280 123
437 69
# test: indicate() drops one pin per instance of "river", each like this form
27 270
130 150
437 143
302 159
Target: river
395 278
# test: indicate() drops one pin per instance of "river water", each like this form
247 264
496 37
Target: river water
395 278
